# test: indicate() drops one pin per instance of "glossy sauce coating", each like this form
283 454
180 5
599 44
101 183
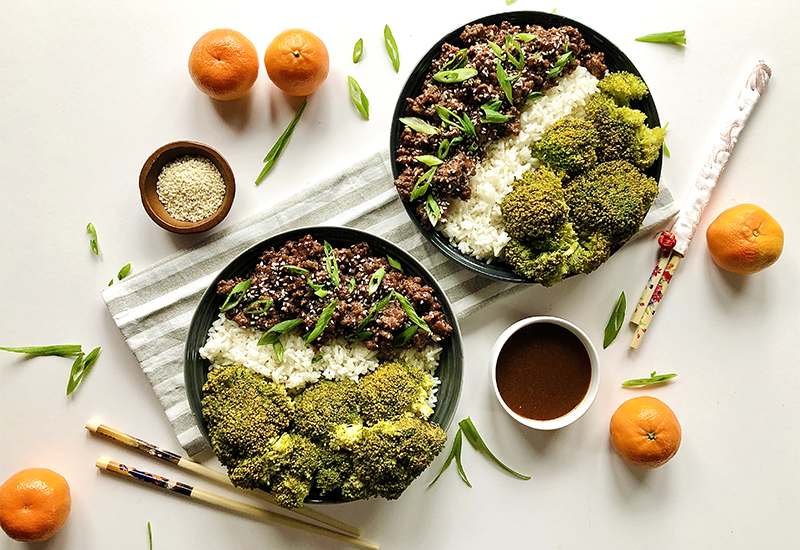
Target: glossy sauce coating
543 371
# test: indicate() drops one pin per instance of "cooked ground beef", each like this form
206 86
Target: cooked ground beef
540 55
293 297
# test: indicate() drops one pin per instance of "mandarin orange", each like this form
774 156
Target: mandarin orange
745 239
297 62
34 504
224 64
645 432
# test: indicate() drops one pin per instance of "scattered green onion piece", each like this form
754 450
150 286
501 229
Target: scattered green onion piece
559 65
324 318
295 269
502 78
510 45
444 148
458 61
238 292
363 335
430 160
373 311
459 466
391 48
403 338
455 450
469 127
63 350
316 359
352 284
278 348
672 37
111 282
615 322
274 333
375 281
472 435
124 272
509 2
80 368
150 535
318 289
419 125
358 50
394 263
448 116
534 95
654 379
421 187
277 149
498 51
409 309
249 310
432 210
525 37
492 115
330 264
456 75
359 98
664 144
93 242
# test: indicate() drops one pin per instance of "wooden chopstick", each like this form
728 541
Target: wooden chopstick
208 473
647 294
658 294
228 503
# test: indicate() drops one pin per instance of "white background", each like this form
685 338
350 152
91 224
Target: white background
91 88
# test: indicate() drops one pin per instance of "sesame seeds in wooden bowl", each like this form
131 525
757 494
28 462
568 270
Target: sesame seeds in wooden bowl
187 187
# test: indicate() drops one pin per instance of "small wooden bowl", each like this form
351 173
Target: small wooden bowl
149 176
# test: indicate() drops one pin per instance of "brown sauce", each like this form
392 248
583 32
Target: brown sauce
543 371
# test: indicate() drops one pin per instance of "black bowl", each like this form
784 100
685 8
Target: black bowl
450 361
615 60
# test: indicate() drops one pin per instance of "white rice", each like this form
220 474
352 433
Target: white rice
228 343
476 226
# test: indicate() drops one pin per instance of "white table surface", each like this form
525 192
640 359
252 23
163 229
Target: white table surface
90 88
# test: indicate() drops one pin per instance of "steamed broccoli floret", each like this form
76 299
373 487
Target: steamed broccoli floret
623 87
612 199
546 267
244 411
287 467
535 207
622 133
394 389
324 406
388 456
568 146
592 251
334 469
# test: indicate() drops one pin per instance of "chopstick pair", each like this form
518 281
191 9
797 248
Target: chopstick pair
350 535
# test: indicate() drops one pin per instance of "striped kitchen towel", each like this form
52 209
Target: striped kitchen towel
154 306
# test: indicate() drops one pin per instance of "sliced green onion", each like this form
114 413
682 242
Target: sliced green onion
295 269
430 160
456 75
359 336
80 368
664 143
352 284
498 51
510 45
525 37
672 37
412 314
394 263
274 333
472 435
124 272
421 187
359 98
534 95
331 265
462 474
509 2
492 115
432 210
373 311
403 338
150 535
559 65
469 127
316 359
375 281
324 318
458 60
419 125
111 282
63 350
654 379
93 242
615 322
277 149
238 293
502 78
358 50
250 309
391 48
318 289
278 348
455 450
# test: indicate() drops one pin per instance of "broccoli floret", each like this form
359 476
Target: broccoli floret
592 251
623 87
287 467
388 456
622 133
334 468
568 146
244 411
324 406
546 267
535 207
394 389
612 199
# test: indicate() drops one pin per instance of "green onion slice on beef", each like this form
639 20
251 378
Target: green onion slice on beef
235 296
419 125
324 318
409 309
456 75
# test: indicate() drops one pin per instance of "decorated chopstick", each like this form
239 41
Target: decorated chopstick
228 503
208 473
675 243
